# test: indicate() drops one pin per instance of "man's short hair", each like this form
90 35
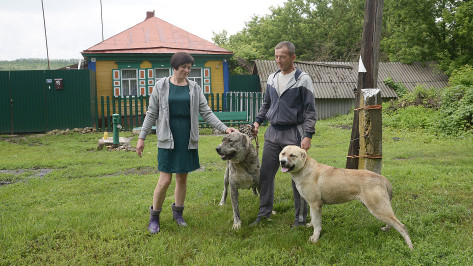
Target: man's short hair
289 45
181 58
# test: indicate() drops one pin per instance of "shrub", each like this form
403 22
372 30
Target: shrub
457 110
398 87
421 95
412 117
462 76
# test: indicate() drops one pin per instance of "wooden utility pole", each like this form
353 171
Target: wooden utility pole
369 61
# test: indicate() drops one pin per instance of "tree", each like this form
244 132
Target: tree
429 30
330 30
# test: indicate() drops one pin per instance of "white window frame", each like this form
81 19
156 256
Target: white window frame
128 80
161 68
201 77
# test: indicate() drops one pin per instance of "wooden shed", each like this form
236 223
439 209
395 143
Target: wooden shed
335 83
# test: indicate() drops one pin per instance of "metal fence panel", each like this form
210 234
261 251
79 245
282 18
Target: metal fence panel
244 83
36 104
69 107
28 110
5 103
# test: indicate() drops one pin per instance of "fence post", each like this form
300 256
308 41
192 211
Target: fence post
371 132
103 112
125 113
136 112
113 105
108 114
141 113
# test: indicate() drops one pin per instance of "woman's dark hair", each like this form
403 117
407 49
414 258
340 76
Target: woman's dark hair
181 58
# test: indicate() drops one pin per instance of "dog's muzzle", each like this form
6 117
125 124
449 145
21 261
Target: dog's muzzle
285 166
225 156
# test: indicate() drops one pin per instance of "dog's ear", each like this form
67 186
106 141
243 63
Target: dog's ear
245 140
303 154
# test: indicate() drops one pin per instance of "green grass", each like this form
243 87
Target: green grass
72 204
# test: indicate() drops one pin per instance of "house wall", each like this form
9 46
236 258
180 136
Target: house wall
104 78
216 73
327 108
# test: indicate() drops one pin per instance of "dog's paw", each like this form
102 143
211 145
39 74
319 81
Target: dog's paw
314 238
385 228
236 226
308 225
221 203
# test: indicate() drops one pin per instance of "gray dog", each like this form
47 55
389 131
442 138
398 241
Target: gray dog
243 169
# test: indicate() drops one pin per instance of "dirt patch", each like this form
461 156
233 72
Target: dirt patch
23 175
342 126
137 171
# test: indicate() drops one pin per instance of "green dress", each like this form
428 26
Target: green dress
181 159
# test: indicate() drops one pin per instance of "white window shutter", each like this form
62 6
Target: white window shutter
150 80
142 82
207 78
116 82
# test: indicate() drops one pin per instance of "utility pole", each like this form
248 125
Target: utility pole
101 17
369 61
45 35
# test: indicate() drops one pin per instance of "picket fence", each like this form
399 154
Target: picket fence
132 110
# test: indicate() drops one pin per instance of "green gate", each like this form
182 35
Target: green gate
42 100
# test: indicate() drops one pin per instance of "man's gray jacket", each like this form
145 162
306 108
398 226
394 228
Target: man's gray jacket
294 107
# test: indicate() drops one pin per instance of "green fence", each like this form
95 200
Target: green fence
30 101
132 110
244 83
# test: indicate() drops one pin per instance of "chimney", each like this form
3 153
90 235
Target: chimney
149 14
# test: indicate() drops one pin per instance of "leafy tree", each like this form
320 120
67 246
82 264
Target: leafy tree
321 30
428 30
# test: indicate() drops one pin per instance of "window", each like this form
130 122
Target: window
196 75
162 73
129 82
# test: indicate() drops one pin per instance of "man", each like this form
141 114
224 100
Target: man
289 106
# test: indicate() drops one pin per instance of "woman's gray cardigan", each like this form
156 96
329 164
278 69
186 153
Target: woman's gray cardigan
158 111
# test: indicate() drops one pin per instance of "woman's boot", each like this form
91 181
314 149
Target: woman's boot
153 226
177 214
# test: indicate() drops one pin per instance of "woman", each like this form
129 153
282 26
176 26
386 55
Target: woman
175 105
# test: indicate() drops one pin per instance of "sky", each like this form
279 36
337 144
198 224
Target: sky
75 25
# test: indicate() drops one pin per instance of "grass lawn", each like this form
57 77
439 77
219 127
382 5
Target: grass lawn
64 202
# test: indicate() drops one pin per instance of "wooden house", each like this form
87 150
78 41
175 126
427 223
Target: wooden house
129 63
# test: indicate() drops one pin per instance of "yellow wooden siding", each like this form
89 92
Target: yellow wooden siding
104 78
216 73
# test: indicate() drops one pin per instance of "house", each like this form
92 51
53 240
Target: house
129 63
335 83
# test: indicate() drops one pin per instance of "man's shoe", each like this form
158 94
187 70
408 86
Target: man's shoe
259 219
297 224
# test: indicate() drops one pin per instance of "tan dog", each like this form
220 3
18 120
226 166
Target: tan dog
321 184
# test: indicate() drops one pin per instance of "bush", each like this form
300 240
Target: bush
418 109
412 117
421 95
462 76
398 87
457 110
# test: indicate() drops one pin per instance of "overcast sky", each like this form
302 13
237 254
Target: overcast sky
75 25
